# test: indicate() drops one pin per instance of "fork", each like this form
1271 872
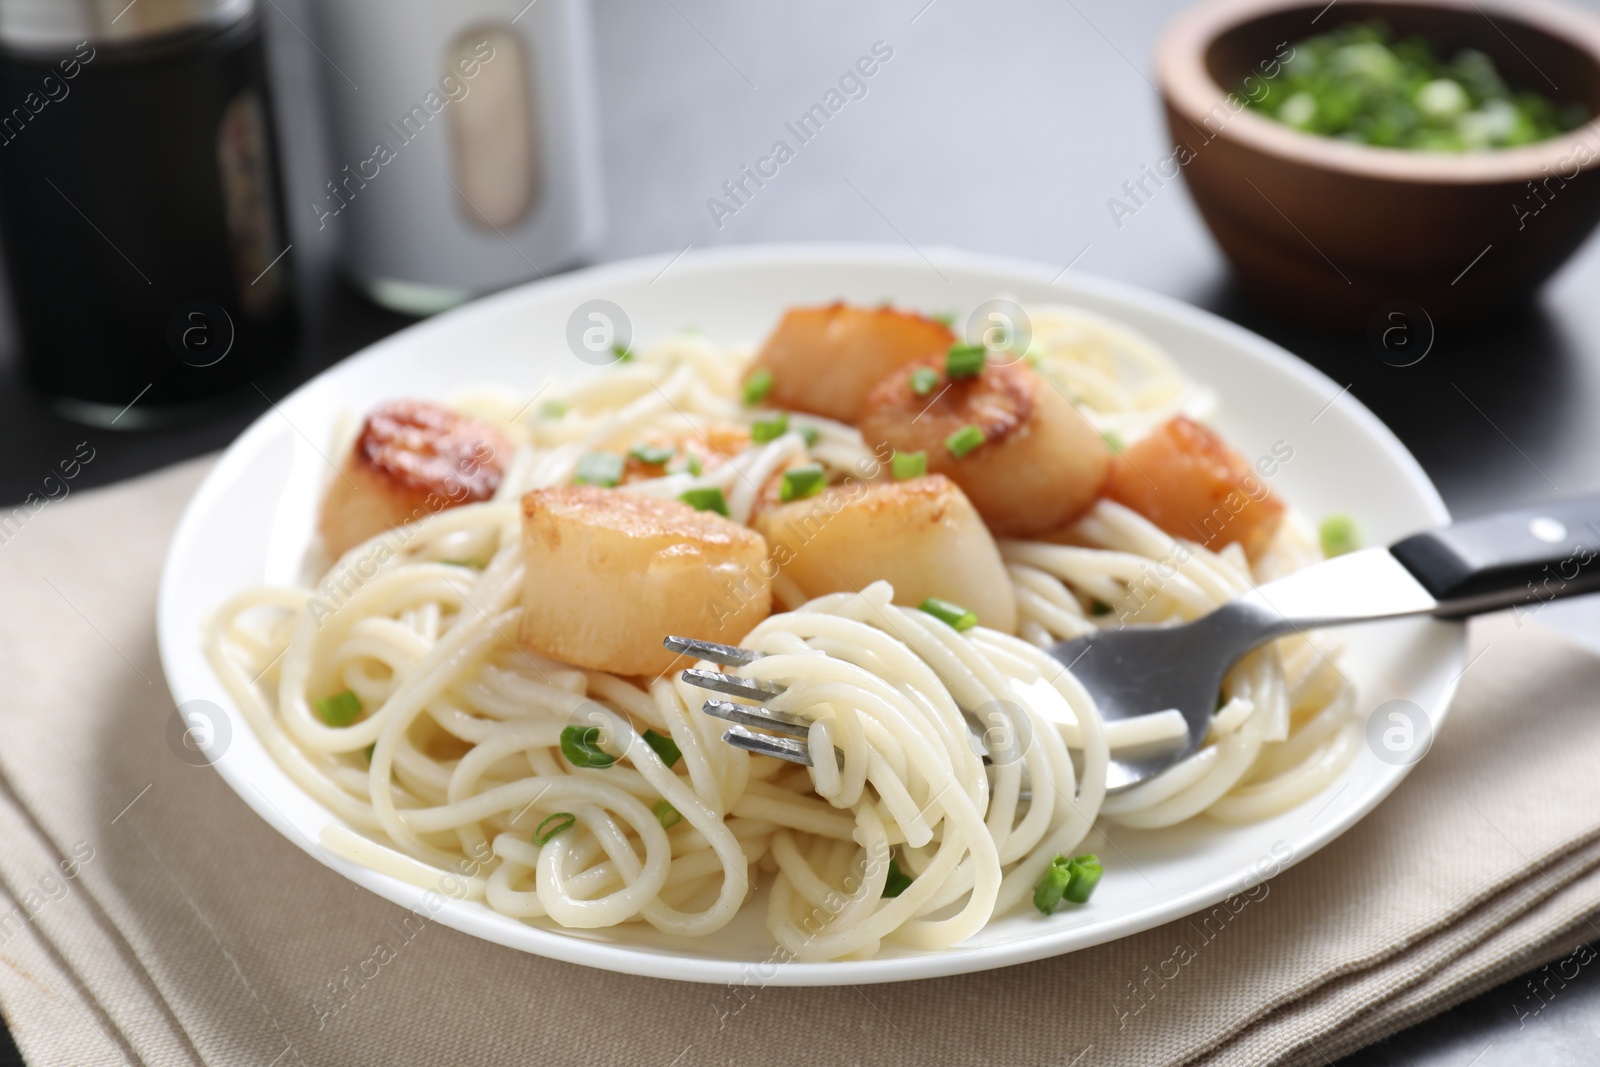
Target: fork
1525 556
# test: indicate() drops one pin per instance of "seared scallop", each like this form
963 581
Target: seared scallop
608 574
649 457
824 360
413 458
923 536
1025 456
1188 481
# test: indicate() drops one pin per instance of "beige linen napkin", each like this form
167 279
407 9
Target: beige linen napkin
147 916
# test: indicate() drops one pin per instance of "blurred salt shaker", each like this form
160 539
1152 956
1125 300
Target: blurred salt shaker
465 137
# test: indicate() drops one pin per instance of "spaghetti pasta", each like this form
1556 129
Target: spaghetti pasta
458 754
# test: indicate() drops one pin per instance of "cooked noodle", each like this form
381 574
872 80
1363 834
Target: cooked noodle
464 725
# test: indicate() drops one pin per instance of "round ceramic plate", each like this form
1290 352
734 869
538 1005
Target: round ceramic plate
252 522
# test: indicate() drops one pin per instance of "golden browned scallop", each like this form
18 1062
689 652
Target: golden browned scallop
608 574
824 360
1040 463
1188 481
413 458
922 536
713 447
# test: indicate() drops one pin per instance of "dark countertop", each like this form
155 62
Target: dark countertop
1001 128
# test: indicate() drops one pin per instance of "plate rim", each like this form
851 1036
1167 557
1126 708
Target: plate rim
654 962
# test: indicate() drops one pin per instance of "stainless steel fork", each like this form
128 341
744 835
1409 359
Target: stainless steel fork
1527 556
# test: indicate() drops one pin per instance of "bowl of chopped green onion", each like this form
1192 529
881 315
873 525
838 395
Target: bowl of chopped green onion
1345 157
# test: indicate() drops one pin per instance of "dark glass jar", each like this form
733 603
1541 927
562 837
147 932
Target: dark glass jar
140 205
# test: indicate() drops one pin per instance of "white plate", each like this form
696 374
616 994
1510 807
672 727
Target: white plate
252 522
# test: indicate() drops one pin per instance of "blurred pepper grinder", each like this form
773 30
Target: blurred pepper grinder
140 204
468 158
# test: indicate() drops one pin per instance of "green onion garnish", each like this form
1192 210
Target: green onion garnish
811 434
695 467
909 465
964 361
474 563
954 614
710 499
623 354
764 430
801 482
964 440
553 409
580 744
1339 535
1086 872
663 746
923 379
666 814
599 468
897 882
757 386
1113 441
561 820
341 709
1072 880
1052 885
652 455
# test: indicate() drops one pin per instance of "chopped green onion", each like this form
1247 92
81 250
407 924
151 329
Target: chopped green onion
923 379
801 482
811 434
757 386
474 563
1339 535
1086 872
1052 885
964 361
663 746
599 468
909 465
666 814
964 440
710 499
652 455
1113 441
553 409
897 882
695 467
623 354
561 819
341 709
764 430
954 614
580 744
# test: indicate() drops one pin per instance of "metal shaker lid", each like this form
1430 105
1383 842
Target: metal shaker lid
56 24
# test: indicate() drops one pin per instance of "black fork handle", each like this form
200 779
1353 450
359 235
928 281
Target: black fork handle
1530 555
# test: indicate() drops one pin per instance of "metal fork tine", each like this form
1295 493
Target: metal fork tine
728 655
732 684
777 722
783 748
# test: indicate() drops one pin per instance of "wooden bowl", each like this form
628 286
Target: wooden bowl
1331 232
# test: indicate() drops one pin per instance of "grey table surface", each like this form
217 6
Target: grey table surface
999 127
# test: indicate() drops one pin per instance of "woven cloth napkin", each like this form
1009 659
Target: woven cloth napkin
148 916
